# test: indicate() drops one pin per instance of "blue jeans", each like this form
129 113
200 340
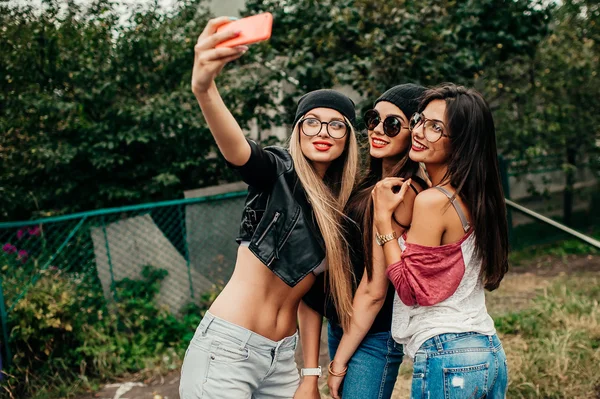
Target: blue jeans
460 366
373 369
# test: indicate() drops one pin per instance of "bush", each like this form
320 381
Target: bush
64 335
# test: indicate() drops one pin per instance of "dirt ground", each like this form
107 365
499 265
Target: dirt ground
517 290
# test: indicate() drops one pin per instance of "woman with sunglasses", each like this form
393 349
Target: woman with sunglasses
245 345
457 245
363 353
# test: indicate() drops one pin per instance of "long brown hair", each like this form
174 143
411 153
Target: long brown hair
474 173
328 197
360 205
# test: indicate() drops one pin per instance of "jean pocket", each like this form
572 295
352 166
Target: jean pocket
469 382
224 353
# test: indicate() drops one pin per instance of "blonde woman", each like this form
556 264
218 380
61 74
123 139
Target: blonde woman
364 357
290 232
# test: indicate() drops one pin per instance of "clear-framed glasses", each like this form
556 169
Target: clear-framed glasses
335 129
433 129
392 125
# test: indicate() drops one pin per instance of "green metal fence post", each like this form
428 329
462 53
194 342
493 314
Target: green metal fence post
110 265
187 250
503 164
4 317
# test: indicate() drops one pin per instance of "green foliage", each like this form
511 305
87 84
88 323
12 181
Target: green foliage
63 331
90 103
371 46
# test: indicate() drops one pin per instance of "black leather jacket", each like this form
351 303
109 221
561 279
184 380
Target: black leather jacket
278 220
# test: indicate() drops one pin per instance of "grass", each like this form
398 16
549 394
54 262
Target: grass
553 346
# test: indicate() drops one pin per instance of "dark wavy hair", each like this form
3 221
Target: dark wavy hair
360 204
473 172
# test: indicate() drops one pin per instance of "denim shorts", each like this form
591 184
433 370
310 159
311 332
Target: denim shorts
226 361
460 366
373 369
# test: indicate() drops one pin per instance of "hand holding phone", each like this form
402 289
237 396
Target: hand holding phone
253 29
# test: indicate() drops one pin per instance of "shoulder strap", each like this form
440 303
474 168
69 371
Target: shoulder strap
414 188
459 211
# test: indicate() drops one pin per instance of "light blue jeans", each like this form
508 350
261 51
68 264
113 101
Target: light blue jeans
460 366
373 369
226 361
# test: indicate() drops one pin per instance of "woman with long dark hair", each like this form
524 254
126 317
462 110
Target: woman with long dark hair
457 245
363 354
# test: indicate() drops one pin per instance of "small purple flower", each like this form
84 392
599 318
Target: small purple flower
9 248
35 231
20 233
53 268
22 255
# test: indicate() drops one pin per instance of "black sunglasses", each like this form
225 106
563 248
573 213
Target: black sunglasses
391 125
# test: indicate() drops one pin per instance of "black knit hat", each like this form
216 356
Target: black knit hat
405 96
326 99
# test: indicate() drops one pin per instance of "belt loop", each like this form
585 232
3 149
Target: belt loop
246 339
491 339
438 343
210 319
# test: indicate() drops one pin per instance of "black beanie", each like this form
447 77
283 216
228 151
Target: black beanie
326 99
406 97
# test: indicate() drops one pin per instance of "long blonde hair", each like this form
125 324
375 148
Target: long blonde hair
328 197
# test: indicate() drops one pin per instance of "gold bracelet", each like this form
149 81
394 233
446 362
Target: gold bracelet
383 239
333 373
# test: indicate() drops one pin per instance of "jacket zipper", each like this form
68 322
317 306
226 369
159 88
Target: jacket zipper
262 236
278 247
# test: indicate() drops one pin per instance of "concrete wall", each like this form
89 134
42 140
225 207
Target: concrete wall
211 231
136 242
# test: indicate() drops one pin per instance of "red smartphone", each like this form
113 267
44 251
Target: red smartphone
253 29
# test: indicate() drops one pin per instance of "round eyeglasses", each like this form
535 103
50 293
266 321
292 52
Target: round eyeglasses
433 129
335 129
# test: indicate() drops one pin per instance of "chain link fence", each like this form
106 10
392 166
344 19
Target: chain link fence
192 240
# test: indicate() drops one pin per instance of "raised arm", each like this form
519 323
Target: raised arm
208 63
257 166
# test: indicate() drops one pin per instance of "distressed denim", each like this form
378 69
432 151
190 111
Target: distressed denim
460 366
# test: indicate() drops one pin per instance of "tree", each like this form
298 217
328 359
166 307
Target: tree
554 112
97 113
371 46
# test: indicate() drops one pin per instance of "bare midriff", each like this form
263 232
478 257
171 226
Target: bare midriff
256 299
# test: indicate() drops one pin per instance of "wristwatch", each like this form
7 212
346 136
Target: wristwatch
311 371
382 239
